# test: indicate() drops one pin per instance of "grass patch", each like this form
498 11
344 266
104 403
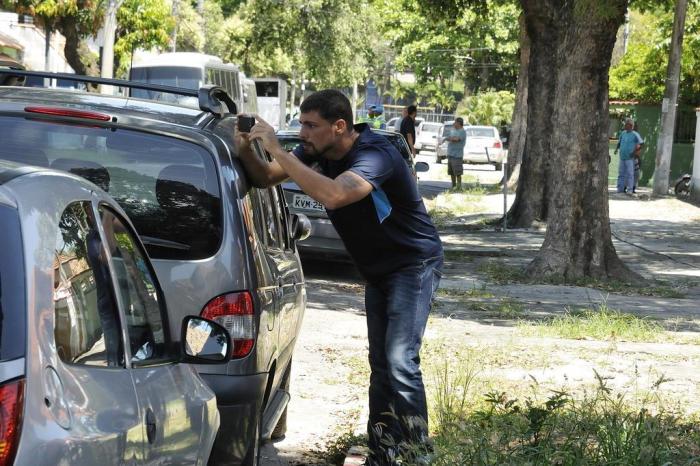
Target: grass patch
455 255
473 292
602 427
507 308
334 451
599 324
501 274
446 207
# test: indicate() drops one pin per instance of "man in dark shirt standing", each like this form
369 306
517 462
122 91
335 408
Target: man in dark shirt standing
408 127
374 204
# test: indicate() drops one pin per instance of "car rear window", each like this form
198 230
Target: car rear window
12 287
480 132
430 127
168 187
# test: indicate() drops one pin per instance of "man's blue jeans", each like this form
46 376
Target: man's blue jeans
397 312
625 175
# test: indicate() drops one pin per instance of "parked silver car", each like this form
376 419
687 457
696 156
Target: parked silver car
89 372
221 248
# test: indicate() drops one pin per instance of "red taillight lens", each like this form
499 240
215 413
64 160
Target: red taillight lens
11 402
497 144
234 311
69 112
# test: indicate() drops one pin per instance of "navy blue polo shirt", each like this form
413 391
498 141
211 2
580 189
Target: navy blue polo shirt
390 228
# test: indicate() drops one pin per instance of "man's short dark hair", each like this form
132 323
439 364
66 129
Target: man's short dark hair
411 109
330 104
459 120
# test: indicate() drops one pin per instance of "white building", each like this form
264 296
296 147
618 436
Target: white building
33 39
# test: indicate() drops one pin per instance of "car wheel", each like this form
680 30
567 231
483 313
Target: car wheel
499 166
280 429
252 457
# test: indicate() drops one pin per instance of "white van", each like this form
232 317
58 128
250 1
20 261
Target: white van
191 70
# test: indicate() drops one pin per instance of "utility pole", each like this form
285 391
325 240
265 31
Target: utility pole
200 12
668 106
109 31
173 37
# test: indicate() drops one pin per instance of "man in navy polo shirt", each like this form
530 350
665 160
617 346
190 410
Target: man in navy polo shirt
374 204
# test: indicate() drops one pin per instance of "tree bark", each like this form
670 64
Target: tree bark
532 197
578 241
668 108
69 28
518 128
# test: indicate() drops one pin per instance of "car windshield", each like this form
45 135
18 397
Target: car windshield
12 286
480 132
168 187
431 127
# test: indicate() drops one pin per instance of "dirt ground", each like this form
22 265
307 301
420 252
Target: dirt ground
658 238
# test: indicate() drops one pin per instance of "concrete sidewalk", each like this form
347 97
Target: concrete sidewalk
659 239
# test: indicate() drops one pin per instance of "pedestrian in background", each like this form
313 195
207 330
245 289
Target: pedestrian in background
373 202
629 142
456 140
408 127
374 117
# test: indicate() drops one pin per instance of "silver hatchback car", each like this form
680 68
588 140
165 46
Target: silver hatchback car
89 373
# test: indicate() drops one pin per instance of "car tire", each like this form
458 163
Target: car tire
499 166
252 457
280 429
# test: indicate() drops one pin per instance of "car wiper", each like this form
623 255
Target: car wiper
164 243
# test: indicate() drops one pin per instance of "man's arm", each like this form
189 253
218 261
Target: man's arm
261 172
345 189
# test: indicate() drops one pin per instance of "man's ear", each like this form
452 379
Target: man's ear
340 126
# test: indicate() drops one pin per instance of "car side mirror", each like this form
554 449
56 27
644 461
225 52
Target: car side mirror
421 167
301 227
204 341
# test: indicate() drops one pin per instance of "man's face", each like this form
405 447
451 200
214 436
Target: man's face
317 134
628 126
457 125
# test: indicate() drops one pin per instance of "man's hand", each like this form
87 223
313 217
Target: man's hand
265 133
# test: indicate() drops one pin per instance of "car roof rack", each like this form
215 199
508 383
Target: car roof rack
211 98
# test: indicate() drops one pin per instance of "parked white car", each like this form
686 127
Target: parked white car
427 136
483 146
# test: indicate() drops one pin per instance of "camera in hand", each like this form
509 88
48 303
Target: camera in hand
245 123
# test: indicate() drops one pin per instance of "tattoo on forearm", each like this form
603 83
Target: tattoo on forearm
348 181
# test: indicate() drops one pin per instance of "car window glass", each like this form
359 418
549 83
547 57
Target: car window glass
86 317
479 132
266 222
138 291
12 286
168 187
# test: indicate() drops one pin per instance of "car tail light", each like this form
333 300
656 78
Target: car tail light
234 311
11 405
497 144
69 112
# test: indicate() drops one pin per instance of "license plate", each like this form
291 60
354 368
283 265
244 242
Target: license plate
302 201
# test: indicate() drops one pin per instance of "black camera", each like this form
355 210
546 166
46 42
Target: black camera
245 123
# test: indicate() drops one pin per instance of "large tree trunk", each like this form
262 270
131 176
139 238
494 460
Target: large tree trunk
69 29
518 128
532 196
578 241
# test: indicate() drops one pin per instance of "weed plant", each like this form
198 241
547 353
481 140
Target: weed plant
598 428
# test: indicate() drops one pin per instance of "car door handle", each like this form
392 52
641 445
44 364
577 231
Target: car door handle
150 426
